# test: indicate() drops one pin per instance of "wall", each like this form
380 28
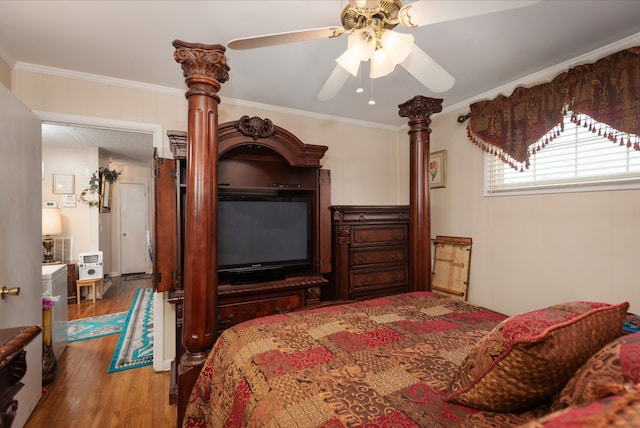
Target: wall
528 251
362 157
5 74
533 251
367 163
79 222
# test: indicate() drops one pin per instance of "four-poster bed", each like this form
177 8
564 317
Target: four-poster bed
409 359
205 69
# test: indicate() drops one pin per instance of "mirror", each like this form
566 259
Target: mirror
105 195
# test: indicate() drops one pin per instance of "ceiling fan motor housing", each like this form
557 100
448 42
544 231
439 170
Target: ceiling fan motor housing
385 17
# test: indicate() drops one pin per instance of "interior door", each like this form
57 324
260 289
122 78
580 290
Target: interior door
20 229
134 251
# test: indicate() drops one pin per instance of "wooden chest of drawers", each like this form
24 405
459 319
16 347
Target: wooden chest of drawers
370 251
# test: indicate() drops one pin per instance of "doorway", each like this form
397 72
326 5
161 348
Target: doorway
160 362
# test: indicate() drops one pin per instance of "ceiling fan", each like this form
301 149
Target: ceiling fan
369 25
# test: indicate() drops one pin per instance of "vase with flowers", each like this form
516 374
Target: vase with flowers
49 361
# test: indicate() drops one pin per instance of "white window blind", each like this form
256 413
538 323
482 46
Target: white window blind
577 160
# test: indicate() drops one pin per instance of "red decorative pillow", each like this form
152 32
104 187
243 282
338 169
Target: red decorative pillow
528 358
618 363
619 411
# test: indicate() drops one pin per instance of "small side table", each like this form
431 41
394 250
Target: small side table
89 283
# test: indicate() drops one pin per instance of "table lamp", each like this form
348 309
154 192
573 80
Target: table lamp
51 225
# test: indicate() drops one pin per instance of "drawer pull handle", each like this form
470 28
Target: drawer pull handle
363 260
286 310
396 236
396 277
365 281
227 321
365 237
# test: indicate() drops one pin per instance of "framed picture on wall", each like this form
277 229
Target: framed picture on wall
438 169
63 183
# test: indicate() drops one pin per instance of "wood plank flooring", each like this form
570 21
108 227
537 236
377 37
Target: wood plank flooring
84 395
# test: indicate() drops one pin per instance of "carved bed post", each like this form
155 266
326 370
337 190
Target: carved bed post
418 110
204 68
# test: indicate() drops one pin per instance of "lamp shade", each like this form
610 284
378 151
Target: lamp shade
51 222
362 44
381 64
397 45
349 63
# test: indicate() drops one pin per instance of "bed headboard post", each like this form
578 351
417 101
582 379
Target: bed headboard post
418 110
205 69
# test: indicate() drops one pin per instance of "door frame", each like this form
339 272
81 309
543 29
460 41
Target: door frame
161 362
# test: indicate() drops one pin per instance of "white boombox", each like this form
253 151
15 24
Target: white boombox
90 265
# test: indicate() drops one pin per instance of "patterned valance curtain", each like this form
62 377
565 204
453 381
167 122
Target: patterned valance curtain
604 96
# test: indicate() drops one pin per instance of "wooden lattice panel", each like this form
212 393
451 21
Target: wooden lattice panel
451 264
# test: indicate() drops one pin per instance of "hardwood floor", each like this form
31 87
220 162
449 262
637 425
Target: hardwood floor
84 395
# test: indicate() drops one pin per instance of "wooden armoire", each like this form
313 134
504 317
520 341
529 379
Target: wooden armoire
254 157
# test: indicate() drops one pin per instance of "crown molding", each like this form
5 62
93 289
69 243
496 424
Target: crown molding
95 78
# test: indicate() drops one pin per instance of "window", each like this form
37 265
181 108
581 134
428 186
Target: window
577 160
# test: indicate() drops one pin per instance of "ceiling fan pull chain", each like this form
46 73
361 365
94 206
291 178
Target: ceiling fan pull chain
372 101
359 89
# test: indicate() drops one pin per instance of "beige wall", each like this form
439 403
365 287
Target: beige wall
533 251
528 251
79 222
367 163
364 160
5 74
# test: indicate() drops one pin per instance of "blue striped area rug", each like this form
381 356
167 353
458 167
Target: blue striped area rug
92 327
135 346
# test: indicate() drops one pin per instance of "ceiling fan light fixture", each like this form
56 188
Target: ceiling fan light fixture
362 44
381 64
397 45
349 63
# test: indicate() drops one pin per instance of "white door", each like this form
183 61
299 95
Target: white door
20 235
134 253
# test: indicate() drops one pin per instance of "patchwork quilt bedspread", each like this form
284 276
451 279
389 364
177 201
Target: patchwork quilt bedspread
382 362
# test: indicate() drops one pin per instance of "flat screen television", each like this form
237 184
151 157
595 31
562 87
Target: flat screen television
260 238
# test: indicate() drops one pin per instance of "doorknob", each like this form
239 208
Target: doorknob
14 291
124 233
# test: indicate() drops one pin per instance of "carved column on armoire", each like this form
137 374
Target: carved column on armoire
205 69
418 110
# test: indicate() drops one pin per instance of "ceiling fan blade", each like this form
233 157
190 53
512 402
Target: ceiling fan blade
428 71
425 12
288 37
334 83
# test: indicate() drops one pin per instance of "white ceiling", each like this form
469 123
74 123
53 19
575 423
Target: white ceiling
132 40
119 147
